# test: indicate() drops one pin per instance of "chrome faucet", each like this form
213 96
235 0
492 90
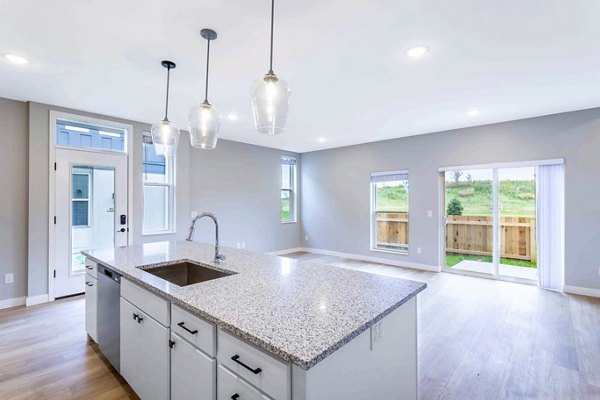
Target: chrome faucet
218 257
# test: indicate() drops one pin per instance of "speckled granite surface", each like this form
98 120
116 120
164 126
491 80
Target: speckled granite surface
299 311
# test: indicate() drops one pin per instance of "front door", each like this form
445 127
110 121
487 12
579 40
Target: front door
90 209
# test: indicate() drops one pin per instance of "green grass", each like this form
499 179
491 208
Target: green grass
453 259
392 198
516 197
285 210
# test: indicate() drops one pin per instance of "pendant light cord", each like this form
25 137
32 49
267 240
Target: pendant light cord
272 19
167 101
207 63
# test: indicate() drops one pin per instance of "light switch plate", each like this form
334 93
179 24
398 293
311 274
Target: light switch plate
430 213
9 278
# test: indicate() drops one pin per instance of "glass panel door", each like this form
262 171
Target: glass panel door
92 212
517 224
469 206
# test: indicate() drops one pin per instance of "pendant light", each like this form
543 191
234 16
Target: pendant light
204 119
270 97
165 135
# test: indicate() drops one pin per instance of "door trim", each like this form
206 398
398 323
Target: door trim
53 116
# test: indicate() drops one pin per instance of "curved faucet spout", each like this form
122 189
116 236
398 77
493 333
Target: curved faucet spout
218 257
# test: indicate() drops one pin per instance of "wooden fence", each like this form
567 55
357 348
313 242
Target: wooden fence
467 234
392 230
473 234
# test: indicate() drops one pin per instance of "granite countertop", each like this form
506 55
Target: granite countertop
298 311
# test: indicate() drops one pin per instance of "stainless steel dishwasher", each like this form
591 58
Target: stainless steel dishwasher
109 292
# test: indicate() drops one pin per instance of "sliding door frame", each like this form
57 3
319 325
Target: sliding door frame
496 216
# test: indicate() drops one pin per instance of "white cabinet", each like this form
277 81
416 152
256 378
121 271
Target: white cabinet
144 353
91 300
193 373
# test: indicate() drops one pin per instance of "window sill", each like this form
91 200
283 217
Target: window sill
158 233
400 252
289 222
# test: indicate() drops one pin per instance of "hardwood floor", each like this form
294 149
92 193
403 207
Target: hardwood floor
478 339
44 354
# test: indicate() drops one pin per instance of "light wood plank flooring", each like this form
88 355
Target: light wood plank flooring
478 339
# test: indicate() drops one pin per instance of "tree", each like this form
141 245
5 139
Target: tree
455 207
456 175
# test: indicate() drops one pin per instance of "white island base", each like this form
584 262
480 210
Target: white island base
380 363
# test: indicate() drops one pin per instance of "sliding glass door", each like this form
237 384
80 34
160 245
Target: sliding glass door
490 221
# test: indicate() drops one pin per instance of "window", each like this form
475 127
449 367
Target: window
288 189
80 199
389 211
158 178
88 136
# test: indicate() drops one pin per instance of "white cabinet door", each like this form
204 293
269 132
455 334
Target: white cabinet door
144 353
91 306
193 373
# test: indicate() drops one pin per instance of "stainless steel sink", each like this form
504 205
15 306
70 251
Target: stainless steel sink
185 273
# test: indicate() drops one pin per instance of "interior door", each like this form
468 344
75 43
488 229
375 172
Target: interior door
90 209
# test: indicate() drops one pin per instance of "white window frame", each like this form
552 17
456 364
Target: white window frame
292 190
88 199
373 212
170 166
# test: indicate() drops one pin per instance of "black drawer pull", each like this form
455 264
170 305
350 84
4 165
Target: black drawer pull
235 397
89 284
137 318
182 326
88 267
255 371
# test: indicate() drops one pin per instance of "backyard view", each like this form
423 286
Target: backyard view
469 229
391 212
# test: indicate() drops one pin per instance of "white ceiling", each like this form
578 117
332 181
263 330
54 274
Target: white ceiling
351 82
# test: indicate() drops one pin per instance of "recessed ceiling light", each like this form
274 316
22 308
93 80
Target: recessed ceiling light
321 140
473 112
417 51
232 117
15 59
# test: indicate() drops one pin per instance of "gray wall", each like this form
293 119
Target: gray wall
13 197
39 119
241 184
335 185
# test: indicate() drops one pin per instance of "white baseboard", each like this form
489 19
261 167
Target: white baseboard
8 303
34 300
581 291
378 260
285 251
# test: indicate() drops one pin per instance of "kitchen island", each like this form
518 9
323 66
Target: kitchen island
270 327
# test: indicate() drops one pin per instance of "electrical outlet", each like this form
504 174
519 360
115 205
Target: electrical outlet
430 213
598 271
239 245
243 245
306 237
376 334
418 250
9 278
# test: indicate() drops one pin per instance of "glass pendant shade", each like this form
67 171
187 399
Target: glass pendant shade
165 137
270 102
205 122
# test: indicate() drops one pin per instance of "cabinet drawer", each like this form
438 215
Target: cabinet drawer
230 386
91 268
91 307
269 374
151 304
193 373
197 331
